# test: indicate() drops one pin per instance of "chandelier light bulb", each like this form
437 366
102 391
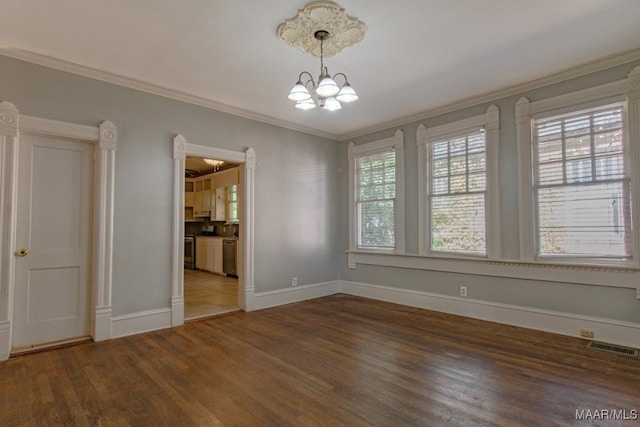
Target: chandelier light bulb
332 104
347 94
299 92
307 104
327 87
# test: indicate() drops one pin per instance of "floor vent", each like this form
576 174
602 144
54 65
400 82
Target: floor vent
613 349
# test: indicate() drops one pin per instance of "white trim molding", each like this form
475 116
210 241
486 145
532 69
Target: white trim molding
607 330
8 200
627 90
138 323
618 277
104 138
354 151
297 294
490 122
70 67
246 288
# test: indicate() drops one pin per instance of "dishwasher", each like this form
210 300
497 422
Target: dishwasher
229 257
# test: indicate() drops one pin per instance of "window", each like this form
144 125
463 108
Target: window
457 193
232 203
377 190
458 170
578 156
375 200
582 192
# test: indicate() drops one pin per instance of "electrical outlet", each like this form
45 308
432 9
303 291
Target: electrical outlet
463 291
586 333
294 281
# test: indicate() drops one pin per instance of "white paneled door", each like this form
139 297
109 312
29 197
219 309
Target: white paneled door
53 242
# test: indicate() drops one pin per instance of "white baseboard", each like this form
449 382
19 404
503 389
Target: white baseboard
5 340
103 325
606 330
177 311
144 321
295 294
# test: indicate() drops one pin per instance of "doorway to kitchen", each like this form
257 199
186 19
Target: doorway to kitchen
212 226
231 237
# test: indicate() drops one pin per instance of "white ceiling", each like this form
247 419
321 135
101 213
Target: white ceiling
417 56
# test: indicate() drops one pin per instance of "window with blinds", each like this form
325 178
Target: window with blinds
375 200
457 194
581 184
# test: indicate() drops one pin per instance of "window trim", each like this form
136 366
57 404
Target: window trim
490 121
628 92
354 151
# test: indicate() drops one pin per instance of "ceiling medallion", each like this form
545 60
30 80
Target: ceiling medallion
328 16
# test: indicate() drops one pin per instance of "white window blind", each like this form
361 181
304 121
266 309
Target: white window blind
581 184
457 194
375 200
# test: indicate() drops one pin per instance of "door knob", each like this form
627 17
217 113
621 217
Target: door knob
22 252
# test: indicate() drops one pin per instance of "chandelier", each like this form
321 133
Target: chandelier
215 163
326 94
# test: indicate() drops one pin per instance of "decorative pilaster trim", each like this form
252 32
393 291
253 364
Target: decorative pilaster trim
179 147
247 294
250 159
633 84
108 136
177 311
423 172
102 325
107 140
352 191
8 119
177 235
525 183
493 217
400 237
5 339
633 145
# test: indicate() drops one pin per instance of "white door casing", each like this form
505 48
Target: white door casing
104 139
52 266
246 276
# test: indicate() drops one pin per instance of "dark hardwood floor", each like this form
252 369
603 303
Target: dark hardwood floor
333 361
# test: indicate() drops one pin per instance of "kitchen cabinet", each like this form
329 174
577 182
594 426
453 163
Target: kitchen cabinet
202 198
201 253
189 200
218 214
209 254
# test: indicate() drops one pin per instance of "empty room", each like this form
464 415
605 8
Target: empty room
318 213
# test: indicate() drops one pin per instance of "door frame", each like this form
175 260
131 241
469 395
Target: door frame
104 139
246 290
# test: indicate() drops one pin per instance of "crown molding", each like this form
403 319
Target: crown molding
580 70
132 83
568 74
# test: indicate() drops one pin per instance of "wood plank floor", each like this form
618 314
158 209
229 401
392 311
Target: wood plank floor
208 294
333 361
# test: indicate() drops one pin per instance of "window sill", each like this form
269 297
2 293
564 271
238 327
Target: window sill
620 277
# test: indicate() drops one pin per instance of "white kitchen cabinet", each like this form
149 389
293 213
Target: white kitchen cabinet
201 253
220 205
209 254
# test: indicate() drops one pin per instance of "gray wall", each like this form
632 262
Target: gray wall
296 181
599 301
